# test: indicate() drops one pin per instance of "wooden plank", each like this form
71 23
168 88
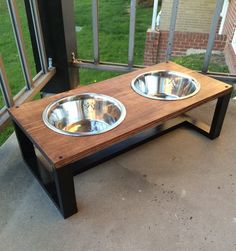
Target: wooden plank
4 120
26 95
39 83
142 113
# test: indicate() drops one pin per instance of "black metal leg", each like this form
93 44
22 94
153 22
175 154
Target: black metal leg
219 115
27 149
212 131
65 191
58 183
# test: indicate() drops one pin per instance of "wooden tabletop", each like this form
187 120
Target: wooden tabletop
142 113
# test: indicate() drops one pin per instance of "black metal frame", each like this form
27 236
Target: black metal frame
58 182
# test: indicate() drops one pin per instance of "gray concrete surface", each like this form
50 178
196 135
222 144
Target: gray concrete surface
177 192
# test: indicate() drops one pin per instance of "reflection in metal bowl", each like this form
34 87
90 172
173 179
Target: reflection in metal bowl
165 85
84 114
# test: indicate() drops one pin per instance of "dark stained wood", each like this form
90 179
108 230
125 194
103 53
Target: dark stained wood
142 113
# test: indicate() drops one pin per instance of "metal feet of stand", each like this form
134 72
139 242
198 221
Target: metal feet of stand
58 183
212 131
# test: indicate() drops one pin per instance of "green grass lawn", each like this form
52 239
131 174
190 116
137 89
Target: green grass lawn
113 34
8 49
9 54
113 42
195 62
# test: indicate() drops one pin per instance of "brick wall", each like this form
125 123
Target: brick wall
156 44
230 59
151 47
193 16
229 28
230 20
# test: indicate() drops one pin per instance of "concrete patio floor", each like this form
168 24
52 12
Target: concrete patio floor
177 192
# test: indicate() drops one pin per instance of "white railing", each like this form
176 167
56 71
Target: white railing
154 15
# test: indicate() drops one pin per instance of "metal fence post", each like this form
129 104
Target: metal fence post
131 33
172 29
212 35
95 31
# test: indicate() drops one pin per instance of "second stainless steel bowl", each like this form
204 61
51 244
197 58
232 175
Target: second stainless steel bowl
84 114
165 85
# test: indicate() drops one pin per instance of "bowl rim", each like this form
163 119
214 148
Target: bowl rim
91 95
198 86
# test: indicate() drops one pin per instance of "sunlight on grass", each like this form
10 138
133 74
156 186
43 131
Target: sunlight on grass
113 30
195 62
93 76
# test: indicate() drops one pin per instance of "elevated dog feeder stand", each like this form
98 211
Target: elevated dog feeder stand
55 158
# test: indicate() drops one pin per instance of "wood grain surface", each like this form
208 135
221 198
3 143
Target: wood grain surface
142 113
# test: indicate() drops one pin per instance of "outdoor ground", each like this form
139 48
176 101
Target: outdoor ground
175 193
113 37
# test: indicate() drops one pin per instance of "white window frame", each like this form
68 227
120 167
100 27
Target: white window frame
234 41
223 15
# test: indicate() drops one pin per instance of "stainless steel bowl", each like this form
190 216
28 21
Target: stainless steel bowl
165 85
84 114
